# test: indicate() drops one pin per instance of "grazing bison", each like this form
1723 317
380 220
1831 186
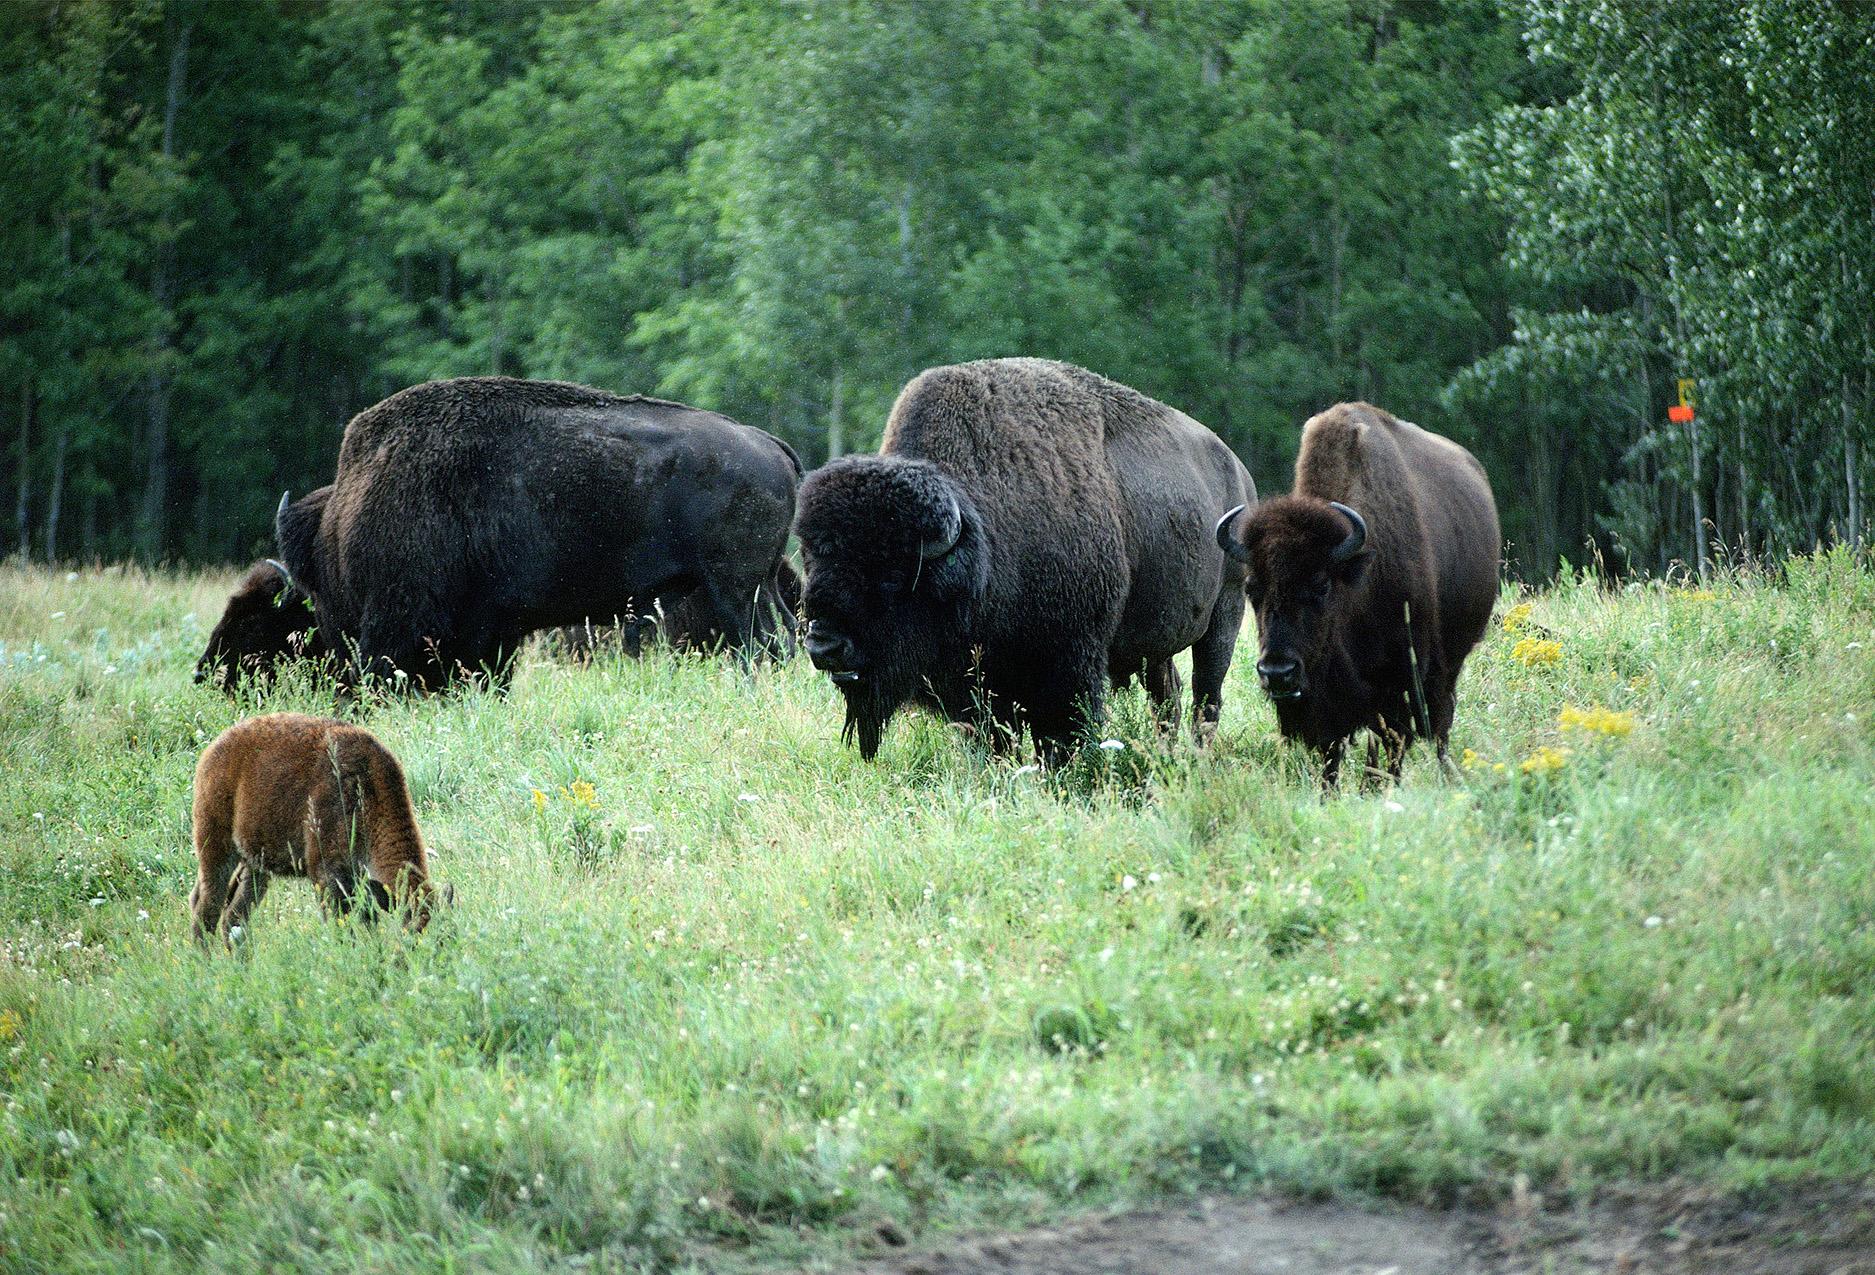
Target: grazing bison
286 794
686 624
268 620
1371 582
467 513
1028 532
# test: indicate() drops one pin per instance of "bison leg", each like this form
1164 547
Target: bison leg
250 887
1162 690
1210 662
1331 765
216 862
1072 696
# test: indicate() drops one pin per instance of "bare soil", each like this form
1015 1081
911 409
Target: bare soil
1823 1230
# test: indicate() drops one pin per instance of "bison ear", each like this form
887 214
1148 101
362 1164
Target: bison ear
295 528
1350 570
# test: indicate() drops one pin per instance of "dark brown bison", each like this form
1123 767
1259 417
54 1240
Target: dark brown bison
1371 582
686 624
290 795
466 514
267 621
1029 532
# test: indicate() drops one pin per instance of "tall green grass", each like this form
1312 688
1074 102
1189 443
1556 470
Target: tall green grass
750 996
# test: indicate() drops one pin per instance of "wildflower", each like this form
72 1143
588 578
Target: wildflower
9 1024
1699 595
1127 883
1544 760
1536 652
1597 720
1470 760
540 799
1516 617
1112 745
584 794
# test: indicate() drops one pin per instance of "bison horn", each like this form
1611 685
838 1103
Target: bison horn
1356 538
279 517
1227 542
945 540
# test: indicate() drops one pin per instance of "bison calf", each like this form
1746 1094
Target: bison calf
306 797
1371 582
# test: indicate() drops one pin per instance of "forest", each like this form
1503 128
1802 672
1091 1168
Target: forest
1533 226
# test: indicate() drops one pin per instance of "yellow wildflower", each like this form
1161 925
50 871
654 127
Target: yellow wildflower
583 794
1698 595
9 1024
1544 760
1516 617
1470 759
1536 652
1597 720
540 799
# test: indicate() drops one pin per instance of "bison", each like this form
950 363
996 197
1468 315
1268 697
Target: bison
286 794
267 621
1028 533
1371 582
468 513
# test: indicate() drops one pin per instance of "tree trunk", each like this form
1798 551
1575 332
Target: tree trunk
1848 466
162 289
836 416
56 496
22 513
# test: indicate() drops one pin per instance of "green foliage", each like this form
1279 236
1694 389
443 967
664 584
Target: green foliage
1694 203
747 984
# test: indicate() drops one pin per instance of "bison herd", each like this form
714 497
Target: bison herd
1028 535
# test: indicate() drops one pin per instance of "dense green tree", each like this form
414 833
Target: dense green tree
232 226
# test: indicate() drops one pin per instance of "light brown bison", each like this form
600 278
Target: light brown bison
291 795
1028 533
1371 582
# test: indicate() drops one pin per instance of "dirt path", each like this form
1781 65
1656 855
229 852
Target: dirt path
1818 1231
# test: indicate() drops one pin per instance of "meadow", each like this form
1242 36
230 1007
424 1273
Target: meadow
717 994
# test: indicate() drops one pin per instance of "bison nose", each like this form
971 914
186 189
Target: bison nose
831 652
1281 679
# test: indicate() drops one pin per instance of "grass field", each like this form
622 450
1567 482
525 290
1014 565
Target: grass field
718 993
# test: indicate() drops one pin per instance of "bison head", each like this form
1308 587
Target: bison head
267 620
896 567
1300 553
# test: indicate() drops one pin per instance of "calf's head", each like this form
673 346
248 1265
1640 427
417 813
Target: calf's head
267 620
1302 555
896 567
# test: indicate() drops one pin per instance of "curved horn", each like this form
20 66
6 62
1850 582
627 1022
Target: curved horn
1227 542
279 566
1356 538
279 516
945 540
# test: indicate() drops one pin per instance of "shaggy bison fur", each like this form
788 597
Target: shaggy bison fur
290 795
1371 582
1028 533
467 513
